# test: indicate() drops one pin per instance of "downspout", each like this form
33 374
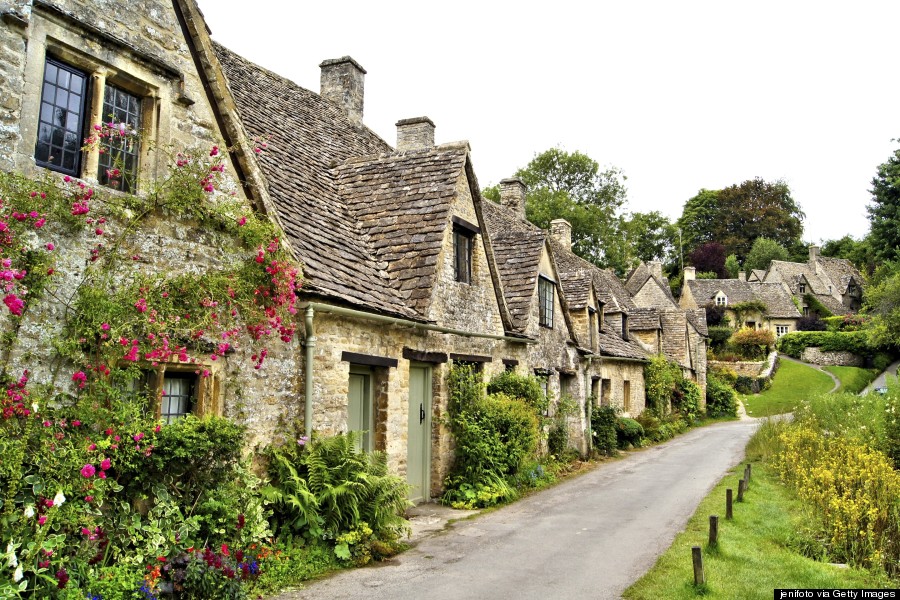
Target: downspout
308 381
349 312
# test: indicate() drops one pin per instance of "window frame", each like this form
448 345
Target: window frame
127 181
546 289
60 65
462 255
781 330
721 299
193 386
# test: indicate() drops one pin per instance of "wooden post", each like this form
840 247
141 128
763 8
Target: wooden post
740 497
713 530
699 578
747 478
749 471
729 500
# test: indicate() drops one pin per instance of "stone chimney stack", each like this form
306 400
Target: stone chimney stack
655 268
742 276
690 274
561 231
415 134
813 253
343 84
512 195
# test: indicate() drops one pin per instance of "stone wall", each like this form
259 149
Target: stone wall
816 356
745 368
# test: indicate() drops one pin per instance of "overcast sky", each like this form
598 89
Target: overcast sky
679 95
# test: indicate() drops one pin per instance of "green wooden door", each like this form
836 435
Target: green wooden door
418 458
359 406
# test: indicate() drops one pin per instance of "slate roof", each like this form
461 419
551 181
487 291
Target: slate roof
612 292
517 248
778 301
697 318
575 273
612 344
841 272
705 290
644 319
826 278
756 275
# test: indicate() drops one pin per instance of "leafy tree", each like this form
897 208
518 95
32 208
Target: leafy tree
884 211
882 300
649 236
732 266
859 252
709 257
763 252
739 214
571 186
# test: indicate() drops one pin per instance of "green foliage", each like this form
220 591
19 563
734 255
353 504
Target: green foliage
816 306
752 344
719 336
882 301
884 210
603 430
721 399
558 436
707 275
857 342
628 433
328 487
732 266
661 379
763 252
858 252
648 237
709 258
660 429
686 401
526 388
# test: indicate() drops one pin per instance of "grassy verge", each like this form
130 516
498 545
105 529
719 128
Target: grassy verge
792 383
853 379
755 554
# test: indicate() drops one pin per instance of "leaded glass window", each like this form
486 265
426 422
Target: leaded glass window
120 152
177 399
545 296
61 120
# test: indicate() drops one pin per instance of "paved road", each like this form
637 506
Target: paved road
590 537
881 380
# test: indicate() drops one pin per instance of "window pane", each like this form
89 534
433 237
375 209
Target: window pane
50 73
61 118
120 154
63 79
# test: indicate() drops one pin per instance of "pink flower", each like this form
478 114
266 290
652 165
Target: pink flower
88 471
138 436
80 378
105 327
242 221
85 531
67 179
76 423
214 151
157 428
14 304
40 223
50 246
46 423
92 447
106 464
42 519
102 474
98 231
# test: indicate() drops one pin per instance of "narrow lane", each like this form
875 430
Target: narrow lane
590 537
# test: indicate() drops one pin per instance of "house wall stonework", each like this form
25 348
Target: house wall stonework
618 372
817 356
652 295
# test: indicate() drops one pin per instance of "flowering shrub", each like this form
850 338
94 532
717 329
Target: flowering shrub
752 344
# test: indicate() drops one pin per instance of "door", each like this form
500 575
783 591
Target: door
359 406
418 453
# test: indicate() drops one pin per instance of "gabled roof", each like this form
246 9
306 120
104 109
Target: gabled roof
793 274
644 319
705 290
612 344
642 276
757 275
697 318
841 272
612 293
778 301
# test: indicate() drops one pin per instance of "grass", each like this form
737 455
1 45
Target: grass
853 379
756 551
792 383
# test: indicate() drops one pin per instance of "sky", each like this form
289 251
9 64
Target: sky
678 95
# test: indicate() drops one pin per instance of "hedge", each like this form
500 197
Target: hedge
795 342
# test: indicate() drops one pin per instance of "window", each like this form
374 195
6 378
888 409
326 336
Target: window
177 399
592 328
801 288
780 330
721 299
61 120
66 116
805 311
626 393
118 163
462 250
545 297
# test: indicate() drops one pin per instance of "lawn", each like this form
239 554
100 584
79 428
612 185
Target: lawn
853 379
792 383
756 551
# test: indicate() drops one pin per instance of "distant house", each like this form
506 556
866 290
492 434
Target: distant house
747 304
834 283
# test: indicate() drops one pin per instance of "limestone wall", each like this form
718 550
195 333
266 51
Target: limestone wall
816 356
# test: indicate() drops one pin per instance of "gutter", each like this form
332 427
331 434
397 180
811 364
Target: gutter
312 307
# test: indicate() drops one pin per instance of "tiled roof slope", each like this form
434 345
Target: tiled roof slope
777 300
697 318
612 344
704 290
637 278
402 202
517 248
643 319
791 273
307 137
841 271
575 273
612 293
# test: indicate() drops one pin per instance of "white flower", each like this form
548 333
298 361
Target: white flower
59 499
34 407
17 575
29 511
13 561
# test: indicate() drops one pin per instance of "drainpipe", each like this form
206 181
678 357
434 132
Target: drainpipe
311 308
310 356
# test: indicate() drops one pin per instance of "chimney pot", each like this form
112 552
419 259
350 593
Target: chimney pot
512 195
690 273
561 230
813 253
343 84
415 134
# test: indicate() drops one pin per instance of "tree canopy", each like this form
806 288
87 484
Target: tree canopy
884 211
763 252
709 258
739 214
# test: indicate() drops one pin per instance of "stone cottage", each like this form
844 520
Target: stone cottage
834 283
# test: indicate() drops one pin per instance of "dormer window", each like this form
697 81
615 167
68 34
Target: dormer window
721 299
801 288
463 242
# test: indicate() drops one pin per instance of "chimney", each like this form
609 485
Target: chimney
690 274
512 195
415 134
561 231
742 276
813 253
655 268
342 83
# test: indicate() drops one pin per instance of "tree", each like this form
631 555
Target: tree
884 211
709 258
650 236
763 252
737 215
571 186
732 266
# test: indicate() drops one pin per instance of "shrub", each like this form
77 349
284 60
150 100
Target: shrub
628 433
795 342
661 379
721 400
715 315
719 336
687 401
526 388
558 436
811 323
751 343
603 430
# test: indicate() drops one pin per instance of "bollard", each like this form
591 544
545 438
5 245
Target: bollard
713 530
747 478
699 578
729 513
740 497
749 471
